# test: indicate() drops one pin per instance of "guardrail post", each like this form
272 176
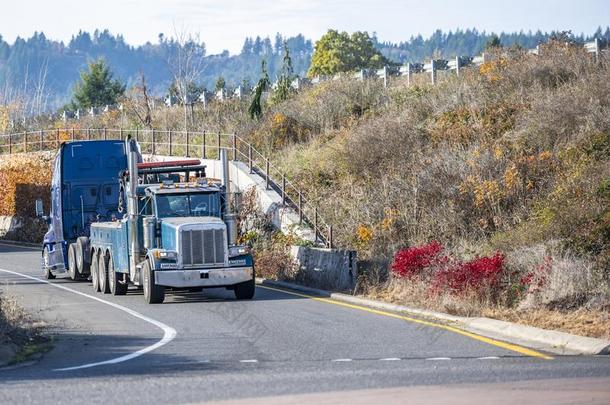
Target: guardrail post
300 208
218 145
153 141
250 158
88 134
41 139
315 224
283 190
203 146
121 133
266 174
170 142
330 237
105 134
25 142
72 134
187 143
10 144
57 139
137 134
234 147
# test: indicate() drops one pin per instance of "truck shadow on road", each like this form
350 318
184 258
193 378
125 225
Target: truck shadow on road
216 295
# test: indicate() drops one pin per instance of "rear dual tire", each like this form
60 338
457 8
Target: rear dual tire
72 266
95 281
79 262
116 283
83 258
102 273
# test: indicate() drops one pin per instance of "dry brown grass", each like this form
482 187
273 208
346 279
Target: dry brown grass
13 318
584 322
416 293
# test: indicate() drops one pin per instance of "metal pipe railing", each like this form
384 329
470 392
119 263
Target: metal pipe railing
180 142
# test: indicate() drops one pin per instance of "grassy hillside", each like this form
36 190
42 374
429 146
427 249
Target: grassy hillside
510 161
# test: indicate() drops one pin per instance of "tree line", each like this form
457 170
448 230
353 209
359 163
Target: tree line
37 65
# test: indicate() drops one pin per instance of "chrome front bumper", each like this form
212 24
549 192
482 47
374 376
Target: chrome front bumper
203 277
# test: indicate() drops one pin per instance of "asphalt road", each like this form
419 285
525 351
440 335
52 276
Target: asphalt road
207 346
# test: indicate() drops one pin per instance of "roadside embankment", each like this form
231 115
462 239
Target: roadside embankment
21 337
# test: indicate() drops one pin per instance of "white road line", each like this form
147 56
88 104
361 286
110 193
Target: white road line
169 333
249 361
390 359
341 360
488 358
438 358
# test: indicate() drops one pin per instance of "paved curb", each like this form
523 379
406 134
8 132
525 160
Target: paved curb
18 243
550 340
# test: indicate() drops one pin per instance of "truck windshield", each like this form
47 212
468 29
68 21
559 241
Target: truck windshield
188 205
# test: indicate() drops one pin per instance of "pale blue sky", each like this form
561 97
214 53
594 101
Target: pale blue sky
225 24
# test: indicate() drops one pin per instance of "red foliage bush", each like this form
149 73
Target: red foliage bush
533 281
446 273
478 274
412 261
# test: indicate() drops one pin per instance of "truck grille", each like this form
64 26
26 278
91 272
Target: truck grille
205 247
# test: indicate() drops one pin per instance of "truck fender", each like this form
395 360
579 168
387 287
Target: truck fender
154 263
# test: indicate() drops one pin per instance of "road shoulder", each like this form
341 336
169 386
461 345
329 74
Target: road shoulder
536 338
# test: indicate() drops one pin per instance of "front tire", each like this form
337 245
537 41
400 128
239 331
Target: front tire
117 287
72 263
245 290
153 293
45 264
102 269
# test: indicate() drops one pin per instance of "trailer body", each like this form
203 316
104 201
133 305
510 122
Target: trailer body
84 190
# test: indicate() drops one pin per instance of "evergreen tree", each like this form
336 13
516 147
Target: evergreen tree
256 108
97 87
220 84
247 47
493 42
284 81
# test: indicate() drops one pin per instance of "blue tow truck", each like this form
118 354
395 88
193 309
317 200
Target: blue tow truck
84 189
178 233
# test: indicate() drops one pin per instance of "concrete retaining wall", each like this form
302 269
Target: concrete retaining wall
9 223
332 269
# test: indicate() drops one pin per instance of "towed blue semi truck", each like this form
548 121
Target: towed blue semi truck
84 189
178 231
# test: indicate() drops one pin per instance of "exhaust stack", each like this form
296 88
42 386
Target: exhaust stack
132 212
230 217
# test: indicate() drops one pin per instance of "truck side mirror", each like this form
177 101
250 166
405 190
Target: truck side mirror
39 208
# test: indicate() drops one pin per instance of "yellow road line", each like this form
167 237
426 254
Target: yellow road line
493 342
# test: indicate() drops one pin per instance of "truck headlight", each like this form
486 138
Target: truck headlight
237 251
165 254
